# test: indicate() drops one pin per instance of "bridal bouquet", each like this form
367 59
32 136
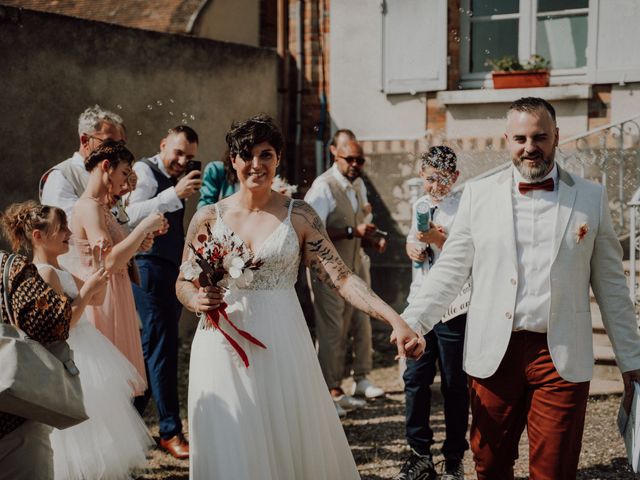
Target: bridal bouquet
224 263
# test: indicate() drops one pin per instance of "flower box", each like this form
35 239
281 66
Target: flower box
521 79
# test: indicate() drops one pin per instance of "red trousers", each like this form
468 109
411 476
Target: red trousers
527 390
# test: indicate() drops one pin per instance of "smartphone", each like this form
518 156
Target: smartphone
193 165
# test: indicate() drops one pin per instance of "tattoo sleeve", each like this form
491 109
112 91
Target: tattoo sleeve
325 264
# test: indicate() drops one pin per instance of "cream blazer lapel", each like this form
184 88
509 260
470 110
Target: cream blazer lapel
504 214
566 200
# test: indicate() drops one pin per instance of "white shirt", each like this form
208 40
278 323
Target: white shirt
321 199
143 200
58 191
443 215
534 219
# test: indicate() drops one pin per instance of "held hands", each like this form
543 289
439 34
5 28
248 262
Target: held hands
409 343
207 299
188 185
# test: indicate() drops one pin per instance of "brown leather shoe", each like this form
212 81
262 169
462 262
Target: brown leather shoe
176 446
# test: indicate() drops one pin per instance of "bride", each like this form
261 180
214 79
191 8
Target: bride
272 420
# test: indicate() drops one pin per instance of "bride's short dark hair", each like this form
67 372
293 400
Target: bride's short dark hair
243 136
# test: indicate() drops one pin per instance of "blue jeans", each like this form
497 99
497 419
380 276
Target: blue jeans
159 311
445 345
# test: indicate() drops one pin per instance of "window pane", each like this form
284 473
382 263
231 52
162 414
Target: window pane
563 41
494 7
492 40
556 5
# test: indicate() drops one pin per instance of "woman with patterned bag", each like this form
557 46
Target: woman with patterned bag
44 316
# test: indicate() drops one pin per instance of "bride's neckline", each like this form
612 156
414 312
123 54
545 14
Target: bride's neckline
254 252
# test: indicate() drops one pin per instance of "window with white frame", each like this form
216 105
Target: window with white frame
555 29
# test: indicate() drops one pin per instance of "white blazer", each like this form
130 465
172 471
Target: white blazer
482 243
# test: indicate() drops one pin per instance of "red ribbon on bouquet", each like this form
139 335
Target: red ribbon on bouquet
214 320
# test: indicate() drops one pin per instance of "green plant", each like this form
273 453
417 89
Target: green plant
509 63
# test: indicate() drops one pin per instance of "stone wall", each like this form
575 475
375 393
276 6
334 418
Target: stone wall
53 67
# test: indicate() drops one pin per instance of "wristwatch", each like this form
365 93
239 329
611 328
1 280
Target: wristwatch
349 231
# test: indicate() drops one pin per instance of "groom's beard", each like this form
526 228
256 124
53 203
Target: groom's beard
537 172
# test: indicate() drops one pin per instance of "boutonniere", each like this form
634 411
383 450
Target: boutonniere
581 232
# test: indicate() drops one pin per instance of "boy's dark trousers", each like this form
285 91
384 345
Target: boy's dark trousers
445 345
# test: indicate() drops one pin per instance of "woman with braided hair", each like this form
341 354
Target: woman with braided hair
44 315
92 224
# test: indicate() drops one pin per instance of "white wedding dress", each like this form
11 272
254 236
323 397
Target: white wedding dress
113 442
274 420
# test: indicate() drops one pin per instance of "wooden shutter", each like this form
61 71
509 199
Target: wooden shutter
614 41
414 46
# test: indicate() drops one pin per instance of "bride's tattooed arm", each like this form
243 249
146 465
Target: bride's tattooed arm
189 294
325 263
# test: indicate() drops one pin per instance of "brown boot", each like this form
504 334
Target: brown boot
176 446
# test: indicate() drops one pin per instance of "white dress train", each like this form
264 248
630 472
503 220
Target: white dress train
274 420
114 441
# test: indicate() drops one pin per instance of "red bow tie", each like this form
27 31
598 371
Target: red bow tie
527 187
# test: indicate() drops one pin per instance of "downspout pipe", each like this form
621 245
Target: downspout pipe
299 86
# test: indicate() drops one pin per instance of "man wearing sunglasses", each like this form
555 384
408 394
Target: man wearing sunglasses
339 198
62 185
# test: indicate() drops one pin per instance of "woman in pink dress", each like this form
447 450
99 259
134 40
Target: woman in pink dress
109 167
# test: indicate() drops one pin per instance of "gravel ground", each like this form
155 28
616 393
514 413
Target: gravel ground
376 433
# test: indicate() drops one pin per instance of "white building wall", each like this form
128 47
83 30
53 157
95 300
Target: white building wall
355 77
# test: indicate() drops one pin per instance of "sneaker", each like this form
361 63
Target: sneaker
364 388
349 403
340 411
453 470
417 467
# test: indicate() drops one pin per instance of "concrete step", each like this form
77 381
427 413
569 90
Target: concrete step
600 386
603 355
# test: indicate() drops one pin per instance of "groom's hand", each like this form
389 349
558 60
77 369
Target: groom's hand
408 342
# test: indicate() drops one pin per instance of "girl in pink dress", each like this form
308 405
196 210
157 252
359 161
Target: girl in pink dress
110 166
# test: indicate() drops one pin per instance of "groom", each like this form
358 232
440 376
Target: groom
534 238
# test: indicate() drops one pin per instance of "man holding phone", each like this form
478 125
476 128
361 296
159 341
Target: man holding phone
160 188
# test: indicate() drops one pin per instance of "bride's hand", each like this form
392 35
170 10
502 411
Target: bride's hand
207 299
408 342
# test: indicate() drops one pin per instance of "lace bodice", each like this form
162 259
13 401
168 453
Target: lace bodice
279 254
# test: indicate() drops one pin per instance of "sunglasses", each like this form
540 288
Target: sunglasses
350 160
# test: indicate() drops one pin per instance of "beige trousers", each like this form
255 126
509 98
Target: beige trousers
26 454
336 322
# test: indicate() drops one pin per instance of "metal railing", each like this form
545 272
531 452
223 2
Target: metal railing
634 247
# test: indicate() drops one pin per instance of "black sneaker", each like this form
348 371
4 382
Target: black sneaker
417 467
453 470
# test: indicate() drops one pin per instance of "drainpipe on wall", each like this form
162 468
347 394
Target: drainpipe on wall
322 121
283 80
320 135
300 66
